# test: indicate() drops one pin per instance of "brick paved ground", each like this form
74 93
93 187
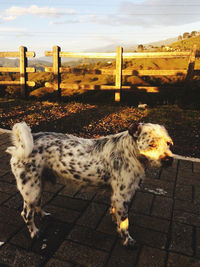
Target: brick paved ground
164 216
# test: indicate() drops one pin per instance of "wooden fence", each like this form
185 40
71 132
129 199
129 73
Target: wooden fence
118 72
23 69
57 69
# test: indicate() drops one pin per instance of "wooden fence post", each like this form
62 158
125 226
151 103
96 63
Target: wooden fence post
191 64
56 69
118 79
23 74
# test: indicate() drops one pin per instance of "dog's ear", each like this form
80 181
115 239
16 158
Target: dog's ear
135 129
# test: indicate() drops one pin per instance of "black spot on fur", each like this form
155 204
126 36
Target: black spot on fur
86 180
125 204
40 149
100 143
123 218
35 151
22 175
76 176
116 139
122 187
106 177
117 164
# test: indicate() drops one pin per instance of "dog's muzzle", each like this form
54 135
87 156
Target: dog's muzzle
167 161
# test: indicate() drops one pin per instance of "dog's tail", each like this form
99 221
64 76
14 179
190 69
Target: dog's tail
22 140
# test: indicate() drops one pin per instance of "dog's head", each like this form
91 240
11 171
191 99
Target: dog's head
153 142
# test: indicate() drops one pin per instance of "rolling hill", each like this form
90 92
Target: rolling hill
187 44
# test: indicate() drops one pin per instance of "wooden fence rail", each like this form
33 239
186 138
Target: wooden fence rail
23 69
118 72
119 56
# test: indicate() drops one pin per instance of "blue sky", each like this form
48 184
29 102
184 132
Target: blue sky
78 25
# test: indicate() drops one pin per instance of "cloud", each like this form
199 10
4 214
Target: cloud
69 21
158 12
146 13
12 30
16 11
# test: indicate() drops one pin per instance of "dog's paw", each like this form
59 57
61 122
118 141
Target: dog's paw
131 243
45 214
34 233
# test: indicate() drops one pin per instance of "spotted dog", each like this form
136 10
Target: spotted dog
116 160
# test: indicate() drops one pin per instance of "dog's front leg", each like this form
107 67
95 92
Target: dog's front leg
120 210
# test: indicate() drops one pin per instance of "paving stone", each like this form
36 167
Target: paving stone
148 237
162 207
3 197
121 256
187 206
52 234
3 171
158 187
181 239
103 196
22 239
92 215
15 202
197 249
47 197
186 218
86 193
7 188
169 174
52 188
15 257
196 167
184 164
150 222
107 225
10 216
83 255
142 202
151 257
184 192
58 263
70 189
91 238
196 195
188 178
62 214
5 165
8 178
177 260
6 231
69 203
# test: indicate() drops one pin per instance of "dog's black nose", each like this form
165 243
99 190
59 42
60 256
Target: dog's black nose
167 161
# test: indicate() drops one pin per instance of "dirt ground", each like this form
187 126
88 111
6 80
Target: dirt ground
94 120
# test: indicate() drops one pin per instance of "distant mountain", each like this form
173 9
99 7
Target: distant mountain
5 62
163 42
36 63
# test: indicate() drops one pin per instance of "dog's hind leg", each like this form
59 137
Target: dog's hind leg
40 211
28 216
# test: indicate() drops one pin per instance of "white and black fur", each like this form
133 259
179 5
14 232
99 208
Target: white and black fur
114 160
